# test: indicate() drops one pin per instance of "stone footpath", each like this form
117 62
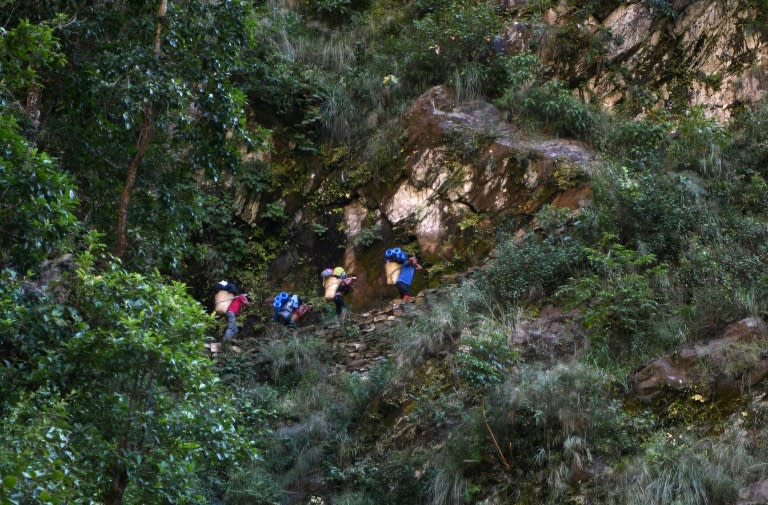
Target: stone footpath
360 342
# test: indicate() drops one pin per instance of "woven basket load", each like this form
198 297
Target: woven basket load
392 269
330 284
221 301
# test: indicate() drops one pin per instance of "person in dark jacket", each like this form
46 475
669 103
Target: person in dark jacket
344 288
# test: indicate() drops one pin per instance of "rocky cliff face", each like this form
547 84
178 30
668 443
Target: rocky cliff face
464 168
658 55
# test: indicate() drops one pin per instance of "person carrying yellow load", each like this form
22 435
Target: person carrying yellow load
337 284
331 279
223 294
393 262
343 288
228 301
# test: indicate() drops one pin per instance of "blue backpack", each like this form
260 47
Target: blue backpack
396 255
284 305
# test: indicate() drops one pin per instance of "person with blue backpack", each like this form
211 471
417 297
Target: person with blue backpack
405 279
288 309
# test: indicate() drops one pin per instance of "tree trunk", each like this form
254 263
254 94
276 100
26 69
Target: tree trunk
33 105
117 489
121 245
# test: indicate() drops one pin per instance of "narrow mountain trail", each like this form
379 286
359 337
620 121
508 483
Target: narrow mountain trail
359 342
365 338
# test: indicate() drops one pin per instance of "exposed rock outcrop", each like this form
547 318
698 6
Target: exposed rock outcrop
756 494
678 53
724 365
552 337
498 172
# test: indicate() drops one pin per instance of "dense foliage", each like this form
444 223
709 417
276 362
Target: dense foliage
197 140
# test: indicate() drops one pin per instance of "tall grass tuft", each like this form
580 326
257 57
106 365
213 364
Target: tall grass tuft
447 488
699 145
293 357
467 82
253 485
554 422
337 114
677 469
440 327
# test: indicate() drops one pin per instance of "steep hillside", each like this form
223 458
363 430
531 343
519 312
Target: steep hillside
585 185
418 164
604 351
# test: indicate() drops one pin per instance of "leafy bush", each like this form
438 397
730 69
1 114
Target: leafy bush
37 202
554 105
391 480
38 461
335 11
722 277
123 360
529 268
369 235
648 211
521 71
699 144
640 144
620 301
748 150
25 50
484 356
449 37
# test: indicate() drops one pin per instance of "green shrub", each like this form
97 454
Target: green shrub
389 480
621 302
520 71
649 211
335 11
640 144
484 356
37 203
699 145
724 279
447 39
529 268
748 151
38 461
369 235
554 105
549 103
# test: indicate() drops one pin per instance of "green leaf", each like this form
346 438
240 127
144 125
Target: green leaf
9 481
